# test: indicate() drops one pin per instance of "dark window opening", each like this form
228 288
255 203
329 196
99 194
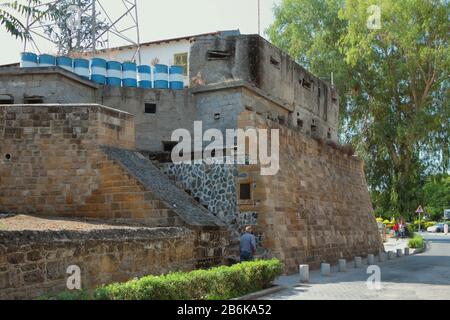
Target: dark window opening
306 84
334 100
329 135
275 62
217 116
150 108
217 55
245 191
8 157
169 145
281 119
300 123
33 100
6 99
319 93
313 129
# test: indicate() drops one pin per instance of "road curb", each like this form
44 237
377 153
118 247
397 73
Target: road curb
256 295
422 250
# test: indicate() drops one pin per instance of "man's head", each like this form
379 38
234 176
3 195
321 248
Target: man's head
248 229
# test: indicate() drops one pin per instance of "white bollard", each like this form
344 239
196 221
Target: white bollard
325 269
358 262
399 253
382 256
446 229
304 273
370 259
391 255
342 265
406 251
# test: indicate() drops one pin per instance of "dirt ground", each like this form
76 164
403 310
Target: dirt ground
24 222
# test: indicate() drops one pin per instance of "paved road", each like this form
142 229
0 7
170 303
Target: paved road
419 277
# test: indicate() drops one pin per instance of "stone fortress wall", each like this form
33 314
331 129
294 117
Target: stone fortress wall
63 158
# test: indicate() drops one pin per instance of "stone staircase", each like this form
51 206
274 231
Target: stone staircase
166 190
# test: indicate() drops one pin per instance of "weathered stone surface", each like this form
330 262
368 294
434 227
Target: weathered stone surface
303 216
104 256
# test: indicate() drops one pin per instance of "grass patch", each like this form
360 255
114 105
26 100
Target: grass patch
220 283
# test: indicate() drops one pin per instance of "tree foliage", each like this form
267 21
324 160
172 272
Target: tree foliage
436 195
393 83
68 38
11 14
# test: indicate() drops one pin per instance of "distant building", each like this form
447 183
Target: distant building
174 51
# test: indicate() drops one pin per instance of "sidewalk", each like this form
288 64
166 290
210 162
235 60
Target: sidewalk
414 277
352 272
392 244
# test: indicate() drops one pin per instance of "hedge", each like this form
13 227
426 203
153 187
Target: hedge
220 283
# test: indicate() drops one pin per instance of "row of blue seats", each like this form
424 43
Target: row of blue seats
112 73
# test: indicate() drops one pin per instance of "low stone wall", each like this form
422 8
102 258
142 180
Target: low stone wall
34 263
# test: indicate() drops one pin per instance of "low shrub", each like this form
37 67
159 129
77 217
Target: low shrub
416 242
410 231
220 283
429 224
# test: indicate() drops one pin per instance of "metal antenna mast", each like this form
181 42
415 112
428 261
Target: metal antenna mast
123 27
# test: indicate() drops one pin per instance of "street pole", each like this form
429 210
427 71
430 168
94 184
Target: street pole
419 222
259 17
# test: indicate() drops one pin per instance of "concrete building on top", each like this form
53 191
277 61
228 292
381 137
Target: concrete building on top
227 75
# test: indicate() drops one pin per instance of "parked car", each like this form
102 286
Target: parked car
436 228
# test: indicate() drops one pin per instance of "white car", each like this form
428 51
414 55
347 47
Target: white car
436 228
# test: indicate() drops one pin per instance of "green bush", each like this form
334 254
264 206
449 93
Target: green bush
416 242
220 283
410 231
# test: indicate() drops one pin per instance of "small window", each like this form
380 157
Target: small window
150 108
245 191
275 62
319 93
217 55
181 59
33 100
334 100
6 99
313 129
217 116
300 123
306 84
329 135
169 145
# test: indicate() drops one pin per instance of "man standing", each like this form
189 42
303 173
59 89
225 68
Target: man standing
247 245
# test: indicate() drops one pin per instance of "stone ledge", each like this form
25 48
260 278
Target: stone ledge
9 238
15 71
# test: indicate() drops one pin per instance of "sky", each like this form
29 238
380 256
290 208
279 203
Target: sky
165 19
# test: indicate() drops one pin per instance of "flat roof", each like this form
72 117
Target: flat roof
156 42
